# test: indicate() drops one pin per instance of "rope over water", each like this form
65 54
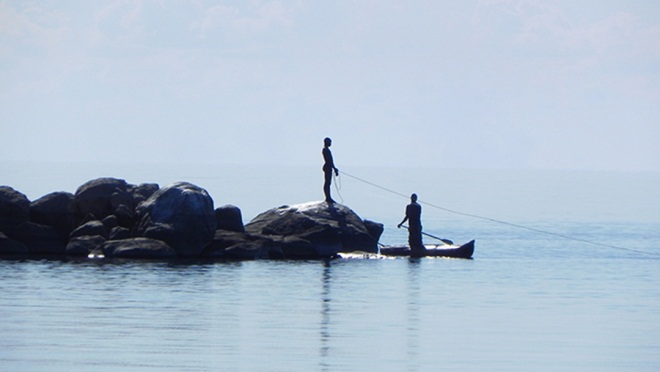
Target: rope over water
510 224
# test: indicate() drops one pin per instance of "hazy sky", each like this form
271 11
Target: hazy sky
477 84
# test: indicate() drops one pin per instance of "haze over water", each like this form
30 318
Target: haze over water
527 301
418 97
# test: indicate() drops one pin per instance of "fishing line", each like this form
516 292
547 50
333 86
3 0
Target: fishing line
337 182
510 224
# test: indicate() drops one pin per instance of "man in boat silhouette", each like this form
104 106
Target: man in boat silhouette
328 167
414 218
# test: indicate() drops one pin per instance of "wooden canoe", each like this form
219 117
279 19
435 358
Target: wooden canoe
441 250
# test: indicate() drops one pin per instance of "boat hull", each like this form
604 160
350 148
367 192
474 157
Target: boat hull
454 251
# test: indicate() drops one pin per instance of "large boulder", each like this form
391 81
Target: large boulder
83 245
223 239
294 247
181 215
235 245
331 228
138 248
101 197
375 229
40 239
56 210
11 247
229 217
118 233
110 222
14 209
90 228
125 216
143 191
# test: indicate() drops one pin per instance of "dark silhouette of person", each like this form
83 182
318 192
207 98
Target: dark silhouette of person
414 218
328 167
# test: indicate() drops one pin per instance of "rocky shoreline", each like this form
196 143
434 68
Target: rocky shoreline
110 218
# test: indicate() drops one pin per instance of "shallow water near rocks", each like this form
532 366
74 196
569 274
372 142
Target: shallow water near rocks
527 301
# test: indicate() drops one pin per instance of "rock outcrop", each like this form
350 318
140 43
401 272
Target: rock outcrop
84 245
40 239
10 247
229 217
180 215
108 217
90 228
330 228
14 209
57 210
138 248
233 245
101 197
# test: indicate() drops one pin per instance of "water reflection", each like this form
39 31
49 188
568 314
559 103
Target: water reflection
413 309
325 315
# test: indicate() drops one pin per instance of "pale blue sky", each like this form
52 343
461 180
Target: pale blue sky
451 84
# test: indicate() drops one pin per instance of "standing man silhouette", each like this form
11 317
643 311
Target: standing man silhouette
328 167
414 218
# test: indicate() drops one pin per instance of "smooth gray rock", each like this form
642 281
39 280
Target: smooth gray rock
83 245
375 229
331 228
181 215
126 216
138 248
14 209
10 247
143 191
229 217
251 250
119 232
40 239
100 197
57 210
91 228
242 246
110 222
294 247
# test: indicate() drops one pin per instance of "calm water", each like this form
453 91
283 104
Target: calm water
528 301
